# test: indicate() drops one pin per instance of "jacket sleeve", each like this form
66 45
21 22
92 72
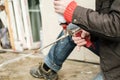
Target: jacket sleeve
105 25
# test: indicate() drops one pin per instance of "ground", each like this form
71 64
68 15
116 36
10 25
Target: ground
15 66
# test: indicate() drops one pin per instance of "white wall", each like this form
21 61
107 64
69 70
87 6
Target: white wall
50 23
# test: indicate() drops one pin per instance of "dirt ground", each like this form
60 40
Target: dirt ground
15 67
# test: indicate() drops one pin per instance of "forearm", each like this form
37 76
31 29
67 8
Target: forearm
99 24
104 24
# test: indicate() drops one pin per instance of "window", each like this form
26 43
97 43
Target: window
35 19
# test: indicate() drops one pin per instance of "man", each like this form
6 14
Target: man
103 26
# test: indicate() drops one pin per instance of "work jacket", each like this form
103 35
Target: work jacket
104 24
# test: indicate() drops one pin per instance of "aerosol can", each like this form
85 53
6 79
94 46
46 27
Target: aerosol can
63 23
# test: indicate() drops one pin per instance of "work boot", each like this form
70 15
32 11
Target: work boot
41 73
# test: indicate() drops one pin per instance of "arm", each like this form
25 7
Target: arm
103 25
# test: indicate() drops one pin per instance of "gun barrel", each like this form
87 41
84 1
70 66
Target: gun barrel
62 37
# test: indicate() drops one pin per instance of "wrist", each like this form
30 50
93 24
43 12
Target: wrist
69 11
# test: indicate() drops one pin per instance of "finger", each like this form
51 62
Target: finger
81 44
84 34
57 3
57 10
56 7
76 38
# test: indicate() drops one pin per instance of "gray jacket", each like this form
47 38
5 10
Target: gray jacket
104 24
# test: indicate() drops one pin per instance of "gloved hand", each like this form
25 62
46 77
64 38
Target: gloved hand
60 5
